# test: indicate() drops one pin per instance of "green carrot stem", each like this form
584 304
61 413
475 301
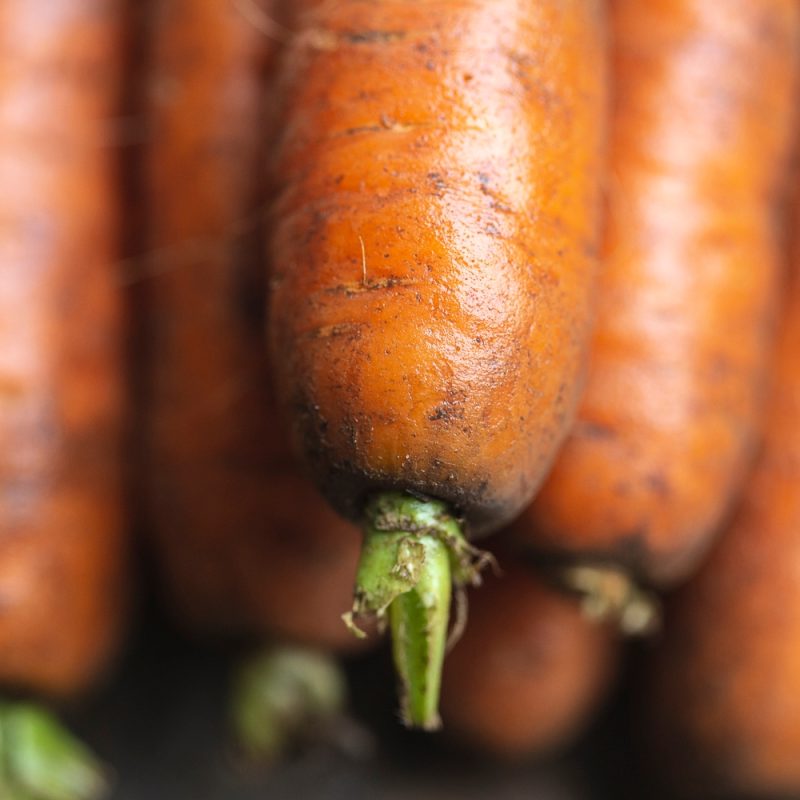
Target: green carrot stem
40 760
609 594
282 693
419 622
413 552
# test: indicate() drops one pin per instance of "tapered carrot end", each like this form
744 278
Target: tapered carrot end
413 553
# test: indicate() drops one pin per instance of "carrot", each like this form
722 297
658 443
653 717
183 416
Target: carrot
529 671
433 251
699 143
723 695
61 387
245 543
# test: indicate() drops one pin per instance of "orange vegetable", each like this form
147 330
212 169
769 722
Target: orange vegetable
724 693
700 137
245 542
529 671
61 388
63 570
433 247
444 356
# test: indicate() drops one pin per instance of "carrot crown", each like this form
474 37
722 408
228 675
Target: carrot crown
414 553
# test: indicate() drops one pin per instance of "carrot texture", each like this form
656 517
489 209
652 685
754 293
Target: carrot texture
703 105
434 243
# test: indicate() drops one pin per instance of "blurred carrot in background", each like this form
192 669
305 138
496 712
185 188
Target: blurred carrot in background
529 671
703 106
62 545
244 542
723 700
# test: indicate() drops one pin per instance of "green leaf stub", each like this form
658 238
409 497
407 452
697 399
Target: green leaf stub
414 551
41 760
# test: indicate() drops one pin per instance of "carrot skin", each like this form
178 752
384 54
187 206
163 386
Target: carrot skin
432 276
529 671
722 697
703 113
62 398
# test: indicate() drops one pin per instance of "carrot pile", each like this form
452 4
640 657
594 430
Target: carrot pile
408 276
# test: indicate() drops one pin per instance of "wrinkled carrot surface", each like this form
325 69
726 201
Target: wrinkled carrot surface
434 242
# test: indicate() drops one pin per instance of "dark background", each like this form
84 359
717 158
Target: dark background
161 723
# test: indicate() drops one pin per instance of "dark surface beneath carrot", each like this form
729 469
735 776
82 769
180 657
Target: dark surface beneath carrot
178 749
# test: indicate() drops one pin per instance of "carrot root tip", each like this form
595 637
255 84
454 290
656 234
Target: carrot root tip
41 760
414 551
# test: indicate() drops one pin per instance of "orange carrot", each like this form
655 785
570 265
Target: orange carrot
433 253
61 388
724 694
62 548
529 671
699 148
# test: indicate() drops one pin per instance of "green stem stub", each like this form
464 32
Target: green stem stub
413 553
609 594
281 696
40 760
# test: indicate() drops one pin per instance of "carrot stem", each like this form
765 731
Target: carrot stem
419 622
413 552
609 594
40 760
282 695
